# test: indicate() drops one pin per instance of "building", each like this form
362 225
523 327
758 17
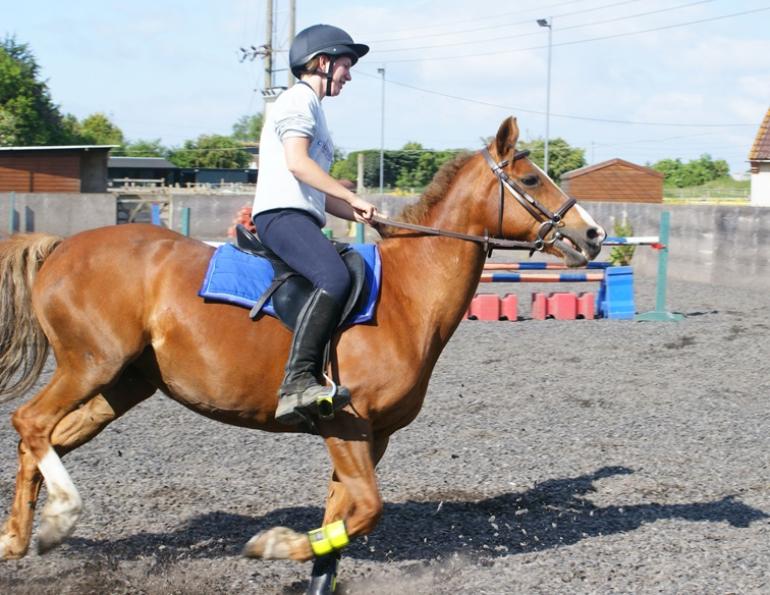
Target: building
759 158
54 169
615 180
155 171
215 176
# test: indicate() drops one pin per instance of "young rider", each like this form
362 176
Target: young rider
294 190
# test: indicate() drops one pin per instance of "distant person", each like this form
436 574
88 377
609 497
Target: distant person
294 191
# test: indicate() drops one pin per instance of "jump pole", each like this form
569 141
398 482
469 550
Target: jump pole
660 313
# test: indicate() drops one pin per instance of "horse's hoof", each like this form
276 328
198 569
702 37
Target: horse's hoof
5 549
277 543
57 523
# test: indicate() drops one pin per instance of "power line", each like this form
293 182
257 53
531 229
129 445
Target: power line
566 116
580 41
466 21
533 33
652 140
520 22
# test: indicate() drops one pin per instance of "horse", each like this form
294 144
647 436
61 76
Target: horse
119 308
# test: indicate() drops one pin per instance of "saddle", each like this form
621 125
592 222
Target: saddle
290 290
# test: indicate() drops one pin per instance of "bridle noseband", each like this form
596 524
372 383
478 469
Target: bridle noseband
548 220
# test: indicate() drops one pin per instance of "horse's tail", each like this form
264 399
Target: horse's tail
23 345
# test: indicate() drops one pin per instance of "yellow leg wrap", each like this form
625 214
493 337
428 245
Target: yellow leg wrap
329 538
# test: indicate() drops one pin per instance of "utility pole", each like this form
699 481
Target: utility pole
547 23
268 57
266 51
292 28
382 131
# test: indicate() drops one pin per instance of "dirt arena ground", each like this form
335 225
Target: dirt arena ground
550 457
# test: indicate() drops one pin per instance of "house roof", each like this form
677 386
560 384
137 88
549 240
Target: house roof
141 163
597 166
760 150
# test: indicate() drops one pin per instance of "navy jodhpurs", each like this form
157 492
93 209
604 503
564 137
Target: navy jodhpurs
296 237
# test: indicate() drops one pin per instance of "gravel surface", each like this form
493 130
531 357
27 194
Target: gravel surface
550 457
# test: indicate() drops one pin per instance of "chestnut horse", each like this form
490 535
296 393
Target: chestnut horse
119 307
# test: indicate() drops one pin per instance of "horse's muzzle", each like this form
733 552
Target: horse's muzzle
579 247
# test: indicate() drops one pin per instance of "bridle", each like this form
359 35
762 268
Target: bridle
548 221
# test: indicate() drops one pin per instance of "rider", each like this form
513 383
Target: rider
294 190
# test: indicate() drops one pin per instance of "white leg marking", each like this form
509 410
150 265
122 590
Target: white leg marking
272 544
63 506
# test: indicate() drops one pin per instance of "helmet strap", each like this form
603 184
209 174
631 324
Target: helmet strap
329 73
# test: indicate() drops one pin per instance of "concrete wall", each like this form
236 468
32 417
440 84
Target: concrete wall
210 214
720 244
710 244
60 214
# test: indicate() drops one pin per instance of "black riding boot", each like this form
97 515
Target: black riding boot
300 393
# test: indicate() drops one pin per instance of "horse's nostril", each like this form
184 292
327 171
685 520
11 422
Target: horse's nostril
592 233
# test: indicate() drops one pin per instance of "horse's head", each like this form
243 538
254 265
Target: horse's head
525 204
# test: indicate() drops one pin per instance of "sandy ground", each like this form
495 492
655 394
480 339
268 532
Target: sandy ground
551 457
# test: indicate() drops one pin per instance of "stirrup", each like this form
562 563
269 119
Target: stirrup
325 403
323 406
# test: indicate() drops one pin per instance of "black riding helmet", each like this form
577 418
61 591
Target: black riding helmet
323 39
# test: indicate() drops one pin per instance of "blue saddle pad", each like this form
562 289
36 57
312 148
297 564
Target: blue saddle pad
237 277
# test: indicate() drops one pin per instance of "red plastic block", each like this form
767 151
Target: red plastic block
562 306
539 306
485 306
509 307
586 303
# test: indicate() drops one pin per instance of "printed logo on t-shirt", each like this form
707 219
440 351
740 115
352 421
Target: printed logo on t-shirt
326 149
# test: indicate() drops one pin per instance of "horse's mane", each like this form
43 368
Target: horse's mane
436 190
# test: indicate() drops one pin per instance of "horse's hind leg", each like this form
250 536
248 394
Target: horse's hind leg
75 429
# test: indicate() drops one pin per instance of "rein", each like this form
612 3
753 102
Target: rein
548 220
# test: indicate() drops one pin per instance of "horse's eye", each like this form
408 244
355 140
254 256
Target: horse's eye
530 180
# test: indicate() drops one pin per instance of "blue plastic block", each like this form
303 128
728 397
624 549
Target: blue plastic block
155 214
616 294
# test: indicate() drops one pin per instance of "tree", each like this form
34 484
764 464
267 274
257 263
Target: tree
410 167
28 115
212 150
144 148
248 128
97 129
561 156
692 173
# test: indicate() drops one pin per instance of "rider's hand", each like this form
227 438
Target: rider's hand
363 211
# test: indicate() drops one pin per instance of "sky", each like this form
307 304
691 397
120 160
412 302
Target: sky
640 80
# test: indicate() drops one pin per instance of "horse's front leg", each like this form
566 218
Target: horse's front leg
338 501
323 578
349 442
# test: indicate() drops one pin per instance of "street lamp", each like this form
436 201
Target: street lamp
382 132
547 23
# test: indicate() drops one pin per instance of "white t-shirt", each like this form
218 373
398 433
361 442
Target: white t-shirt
296 113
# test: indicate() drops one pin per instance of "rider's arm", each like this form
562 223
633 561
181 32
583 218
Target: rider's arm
339 208
309 172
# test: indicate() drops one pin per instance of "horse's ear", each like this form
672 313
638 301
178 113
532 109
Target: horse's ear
507 136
